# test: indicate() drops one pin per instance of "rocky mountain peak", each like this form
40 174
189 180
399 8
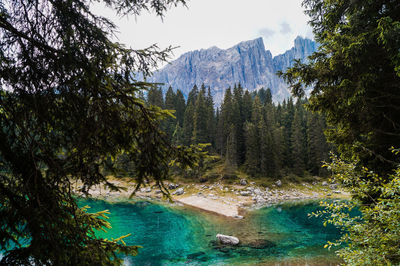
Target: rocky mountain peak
247 62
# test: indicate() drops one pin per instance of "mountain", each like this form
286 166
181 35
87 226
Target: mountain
247 62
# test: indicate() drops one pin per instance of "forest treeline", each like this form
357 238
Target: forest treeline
248 130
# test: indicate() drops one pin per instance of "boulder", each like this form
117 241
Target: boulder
179 191
333 186
173 186
243 182
227 240
257 191
259 199
245 193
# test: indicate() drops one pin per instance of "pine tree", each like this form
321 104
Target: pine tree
189 116
247 106
238 122
155 97
253 138
169 123
192 95
226 119
180 107
317 146
200 134
297 146
188 124
211 120
231 148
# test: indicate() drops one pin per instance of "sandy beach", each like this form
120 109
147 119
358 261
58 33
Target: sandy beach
229 210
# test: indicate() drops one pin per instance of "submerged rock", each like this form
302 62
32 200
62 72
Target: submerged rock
227 240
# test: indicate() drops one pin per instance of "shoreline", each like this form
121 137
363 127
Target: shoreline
231 201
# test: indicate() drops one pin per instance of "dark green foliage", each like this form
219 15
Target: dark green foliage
180 107
169 123
200 119
372 233
69 104
155 97
265 139
355 77
296 145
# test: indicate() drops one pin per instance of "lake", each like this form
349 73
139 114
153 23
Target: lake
176 235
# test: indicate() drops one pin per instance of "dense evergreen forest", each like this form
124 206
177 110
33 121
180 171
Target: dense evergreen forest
249 130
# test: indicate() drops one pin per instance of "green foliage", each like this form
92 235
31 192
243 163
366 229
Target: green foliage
262 138
372 237
70 104
355 77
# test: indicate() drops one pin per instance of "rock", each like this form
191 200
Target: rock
179 191
257 191
259 199
247 63
173 186
324 183
158 191
337 192
147 190
278 183
333 186
238 217
251 189
227 240
245 193
243 182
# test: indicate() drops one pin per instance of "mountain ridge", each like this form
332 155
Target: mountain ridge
247 63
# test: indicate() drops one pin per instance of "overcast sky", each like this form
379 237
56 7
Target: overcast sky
221 23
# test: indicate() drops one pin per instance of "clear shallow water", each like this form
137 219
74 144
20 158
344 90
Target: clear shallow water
184 236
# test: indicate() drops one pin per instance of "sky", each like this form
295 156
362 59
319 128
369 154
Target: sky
222 23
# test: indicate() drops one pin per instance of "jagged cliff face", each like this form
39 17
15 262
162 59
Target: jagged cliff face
247 62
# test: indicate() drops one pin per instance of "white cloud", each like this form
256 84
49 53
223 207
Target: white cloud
221 23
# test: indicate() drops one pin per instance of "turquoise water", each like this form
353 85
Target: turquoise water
184 236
